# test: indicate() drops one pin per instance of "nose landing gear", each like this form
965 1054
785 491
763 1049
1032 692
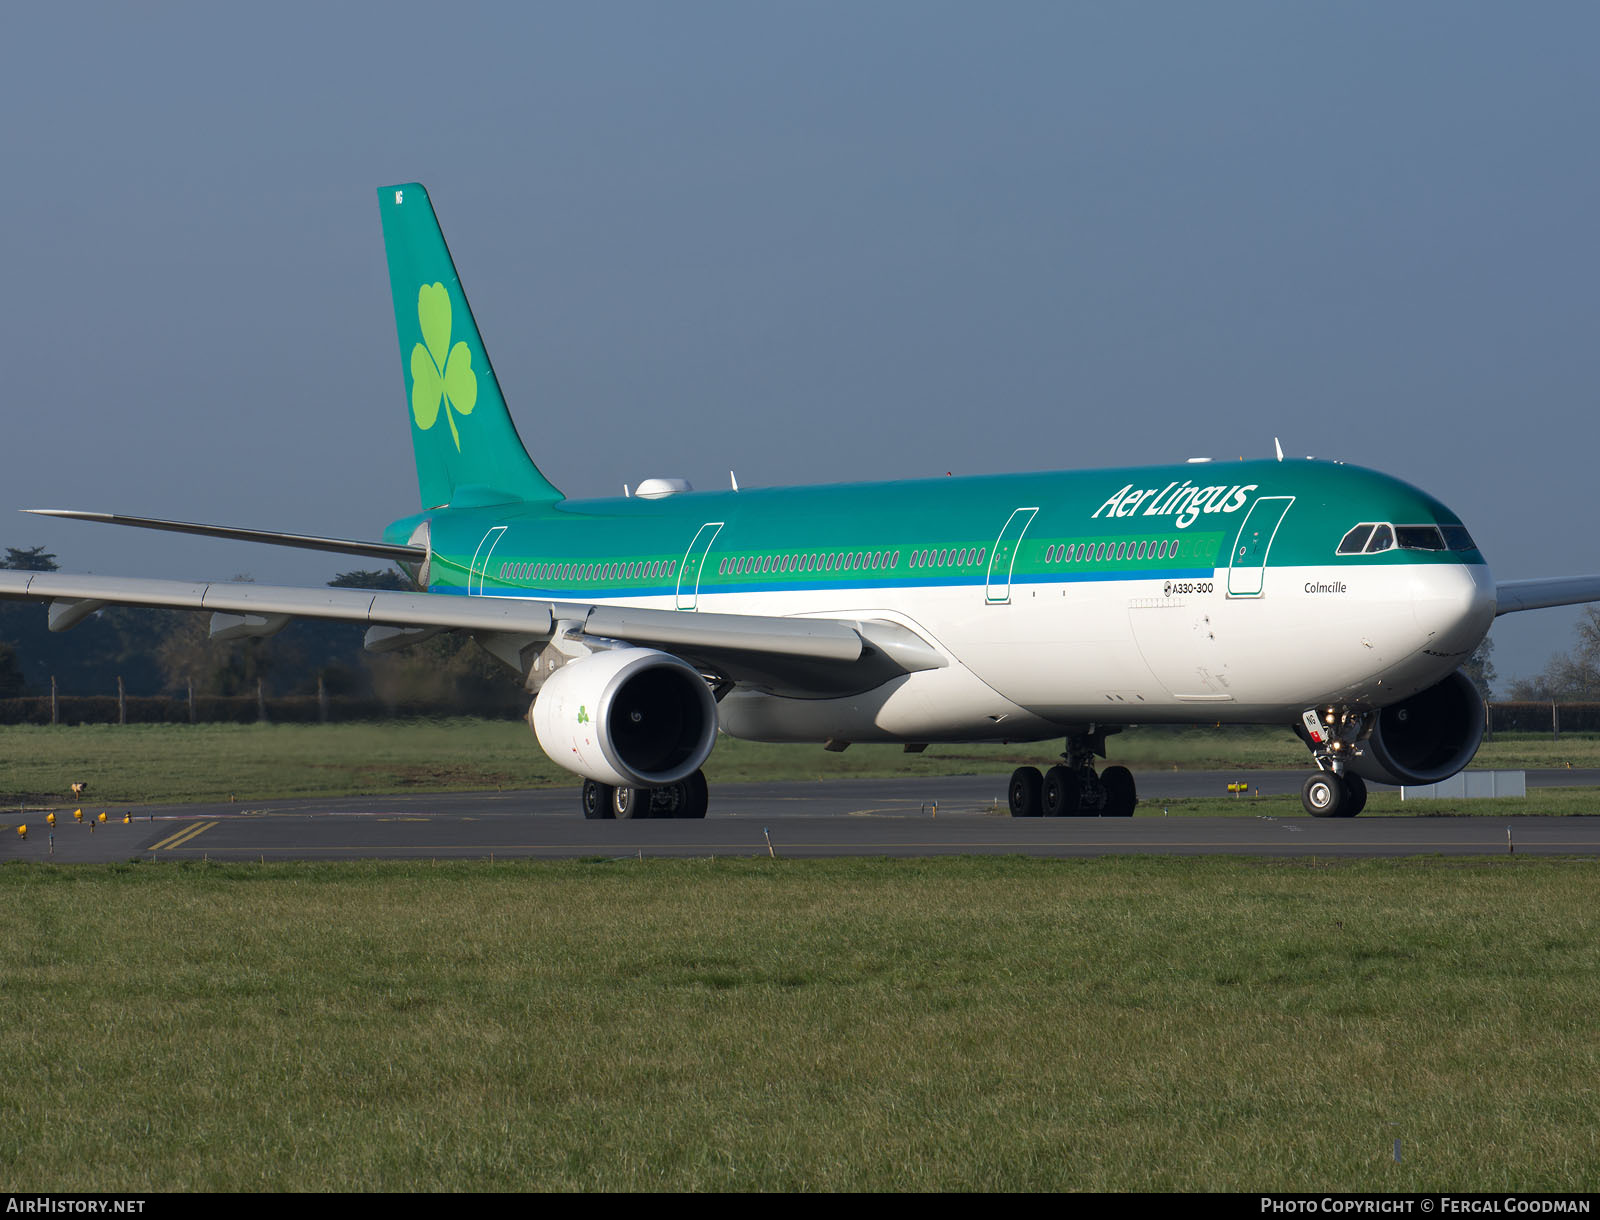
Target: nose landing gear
1334 736
1327 795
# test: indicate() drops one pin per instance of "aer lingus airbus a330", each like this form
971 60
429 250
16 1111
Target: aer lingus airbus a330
1332 600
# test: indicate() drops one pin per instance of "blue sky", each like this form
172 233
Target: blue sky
810 242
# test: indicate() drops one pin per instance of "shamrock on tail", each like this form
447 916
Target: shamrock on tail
435 375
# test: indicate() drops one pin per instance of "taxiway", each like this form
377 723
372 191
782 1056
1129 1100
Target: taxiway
881 817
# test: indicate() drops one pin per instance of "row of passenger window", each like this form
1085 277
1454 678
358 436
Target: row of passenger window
843 561
828 561
1369 538
1090 552
950 557
735 565
946 557
589 571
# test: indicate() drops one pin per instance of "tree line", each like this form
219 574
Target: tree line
1572 677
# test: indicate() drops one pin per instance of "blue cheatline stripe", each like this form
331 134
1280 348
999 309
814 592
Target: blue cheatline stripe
979 581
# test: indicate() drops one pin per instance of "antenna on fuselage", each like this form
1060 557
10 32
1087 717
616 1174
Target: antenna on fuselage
733 479
1278 447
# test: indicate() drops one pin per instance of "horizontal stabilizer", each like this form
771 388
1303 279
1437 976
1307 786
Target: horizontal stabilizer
309 542
1512 595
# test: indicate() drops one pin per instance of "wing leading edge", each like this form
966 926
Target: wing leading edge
1514 595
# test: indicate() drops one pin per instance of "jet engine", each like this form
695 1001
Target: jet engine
1426 738
629 717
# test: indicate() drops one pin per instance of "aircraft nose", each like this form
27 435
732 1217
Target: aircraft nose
1454 605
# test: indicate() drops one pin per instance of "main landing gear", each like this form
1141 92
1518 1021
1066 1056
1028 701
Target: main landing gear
1333 735
687 798
1072 789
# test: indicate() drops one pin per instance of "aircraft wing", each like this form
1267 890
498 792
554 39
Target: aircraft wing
797 656
1514 595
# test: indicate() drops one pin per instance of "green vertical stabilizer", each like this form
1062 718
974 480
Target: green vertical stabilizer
467 448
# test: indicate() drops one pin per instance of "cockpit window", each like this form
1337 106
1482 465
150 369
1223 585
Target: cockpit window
1419 537
1356 540
1369 538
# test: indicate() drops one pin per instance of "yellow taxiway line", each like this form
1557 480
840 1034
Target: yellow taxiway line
183 836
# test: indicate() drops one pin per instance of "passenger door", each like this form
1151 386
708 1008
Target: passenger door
1004 555
480 561
1248 564
693 561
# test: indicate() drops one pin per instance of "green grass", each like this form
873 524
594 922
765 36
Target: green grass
174 763
997 1024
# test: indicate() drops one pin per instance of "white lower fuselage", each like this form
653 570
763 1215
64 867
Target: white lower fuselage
1060 654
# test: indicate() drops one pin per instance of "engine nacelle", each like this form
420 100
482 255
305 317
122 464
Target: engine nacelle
1426 738
629 717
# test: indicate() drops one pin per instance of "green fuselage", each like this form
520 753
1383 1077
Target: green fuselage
1177 522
